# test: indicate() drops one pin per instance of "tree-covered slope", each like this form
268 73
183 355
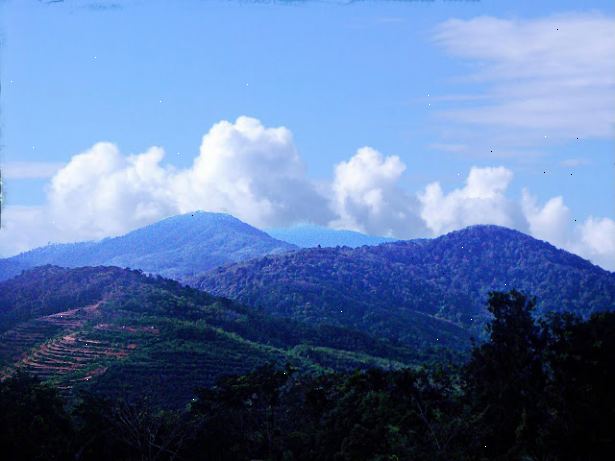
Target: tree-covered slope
533 390
479 259
175 247
402 289
118 331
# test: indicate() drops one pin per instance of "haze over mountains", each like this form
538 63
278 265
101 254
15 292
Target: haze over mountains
175 247
307 236
395 304
445 278
185 245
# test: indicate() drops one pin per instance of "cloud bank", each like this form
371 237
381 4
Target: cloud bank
29 170
481 199
552 76
366 196
243 168
256 174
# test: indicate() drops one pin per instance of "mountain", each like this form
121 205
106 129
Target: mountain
176 247
308 236
121 333
409 290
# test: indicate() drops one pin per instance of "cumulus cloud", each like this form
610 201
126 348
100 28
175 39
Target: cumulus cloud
100 192
367 198
481 201
243 168
24 228
596 242
252 172
553 76
593 239
256 174
550 222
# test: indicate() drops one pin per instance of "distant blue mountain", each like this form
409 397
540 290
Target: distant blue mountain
175 247
309 236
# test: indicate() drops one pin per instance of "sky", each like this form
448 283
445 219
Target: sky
403 118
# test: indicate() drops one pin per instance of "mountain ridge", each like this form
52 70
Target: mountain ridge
114 330
447 278
174 247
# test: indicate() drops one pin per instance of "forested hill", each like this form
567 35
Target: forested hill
119 332
533 390
175 247
392 287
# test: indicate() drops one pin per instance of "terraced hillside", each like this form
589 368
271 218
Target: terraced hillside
119 332
58 347
69 359
15 343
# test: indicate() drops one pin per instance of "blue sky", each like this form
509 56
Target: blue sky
399 77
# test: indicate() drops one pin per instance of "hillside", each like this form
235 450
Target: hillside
309 236
401 289
119 332
176 247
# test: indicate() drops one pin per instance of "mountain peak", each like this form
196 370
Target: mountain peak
502 237
447 277
177 247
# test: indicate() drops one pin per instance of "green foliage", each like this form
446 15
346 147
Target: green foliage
343 287
33 423
153 334
542 390
49 289
507 378
535 390
579 391
416 291
117 430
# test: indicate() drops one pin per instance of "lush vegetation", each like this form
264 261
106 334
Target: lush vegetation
117 332
176 247
535 390
416 291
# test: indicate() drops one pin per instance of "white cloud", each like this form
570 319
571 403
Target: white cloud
574 162
256 174
252 172
596 242
100 192
29 170
24 228
551 222
243 168
593 239
480 201
483 201
553 76
367 198
599 235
